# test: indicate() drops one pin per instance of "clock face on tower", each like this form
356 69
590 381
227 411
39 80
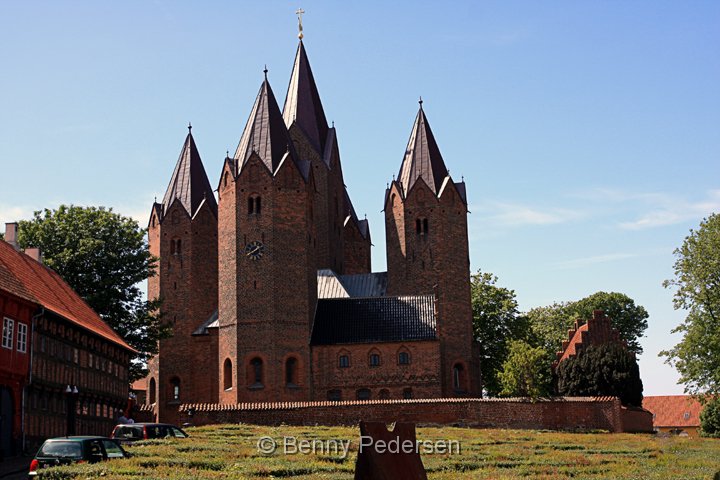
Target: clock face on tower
254 250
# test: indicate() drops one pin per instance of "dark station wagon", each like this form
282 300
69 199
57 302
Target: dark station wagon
66 450
143 431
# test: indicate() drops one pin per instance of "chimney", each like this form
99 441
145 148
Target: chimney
11 234
34 253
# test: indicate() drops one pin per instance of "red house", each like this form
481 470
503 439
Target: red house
63 370
16 312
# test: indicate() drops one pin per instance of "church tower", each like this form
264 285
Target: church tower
427 251
268 273
343 241
182 233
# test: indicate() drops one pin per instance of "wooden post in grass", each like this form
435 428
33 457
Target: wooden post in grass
388 455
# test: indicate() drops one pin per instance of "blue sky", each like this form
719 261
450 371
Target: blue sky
588 132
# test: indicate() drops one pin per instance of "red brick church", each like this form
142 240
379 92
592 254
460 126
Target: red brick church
269 287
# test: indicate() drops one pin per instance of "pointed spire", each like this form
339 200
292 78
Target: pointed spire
189 182
265 133
422 157
302 103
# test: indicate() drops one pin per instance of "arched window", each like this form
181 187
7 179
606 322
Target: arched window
178 247
258 205
291 371
251 205
334 395
403 358
152 390
421 226
374 359
227 374
344 361
363 394
175 389
459 377
425 226
256 370
418 226
384 394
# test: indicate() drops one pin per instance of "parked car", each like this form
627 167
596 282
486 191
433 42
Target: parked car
142 431
66 450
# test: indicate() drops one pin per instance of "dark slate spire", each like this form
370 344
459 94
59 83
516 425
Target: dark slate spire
189 182
422 157
302 103
266 134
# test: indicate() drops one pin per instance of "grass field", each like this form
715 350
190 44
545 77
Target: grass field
231 452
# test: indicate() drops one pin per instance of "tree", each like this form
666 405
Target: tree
103 256
710 418
599 370
549 325
496 319
524 372
629 319
697 280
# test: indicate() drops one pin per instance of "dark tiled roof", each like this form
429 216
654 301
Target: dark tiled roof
302 103
26 278
380 319
422 158
673 410
189 182
265 133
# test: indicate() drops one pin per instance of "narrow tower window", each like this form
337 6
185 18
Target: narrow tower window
291 372
175 389
256 365
254 205
227 375
152 391
459 378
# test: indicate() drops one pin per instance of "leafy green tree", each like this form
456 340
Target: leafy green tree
496 319
524 372
629 319
103 256
697 280
710 418
599 370
549 325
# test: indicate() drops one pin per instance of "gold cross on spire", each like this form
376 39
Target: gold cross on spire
299 13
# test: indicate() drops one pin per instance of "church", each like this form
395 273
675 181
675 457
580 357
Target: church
269 288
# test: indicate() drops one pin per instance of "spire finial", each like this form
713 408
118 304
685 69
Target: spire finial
265 70
420 102
189 127
299 12
227 153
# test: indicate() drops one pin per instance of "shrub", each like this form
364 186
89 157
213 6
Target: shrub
600 370
710 418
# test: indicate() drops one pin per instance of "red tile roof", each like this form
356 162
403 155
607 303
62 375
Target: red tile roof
26 278
673 410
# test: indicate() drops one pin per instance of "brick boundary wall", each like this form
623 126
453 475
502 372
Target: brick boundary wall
568 413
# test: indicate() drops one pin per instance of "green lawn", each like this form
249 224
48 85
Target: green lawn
230 452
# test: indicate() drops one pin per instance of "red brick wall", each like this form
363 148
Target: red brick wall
356 250
562 414
421 375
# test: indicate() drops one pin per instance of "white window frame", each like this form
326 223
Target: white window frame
22 331
8 333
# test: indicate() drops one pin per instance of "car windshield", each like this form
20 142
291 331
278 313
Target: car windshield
178 433
61 450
